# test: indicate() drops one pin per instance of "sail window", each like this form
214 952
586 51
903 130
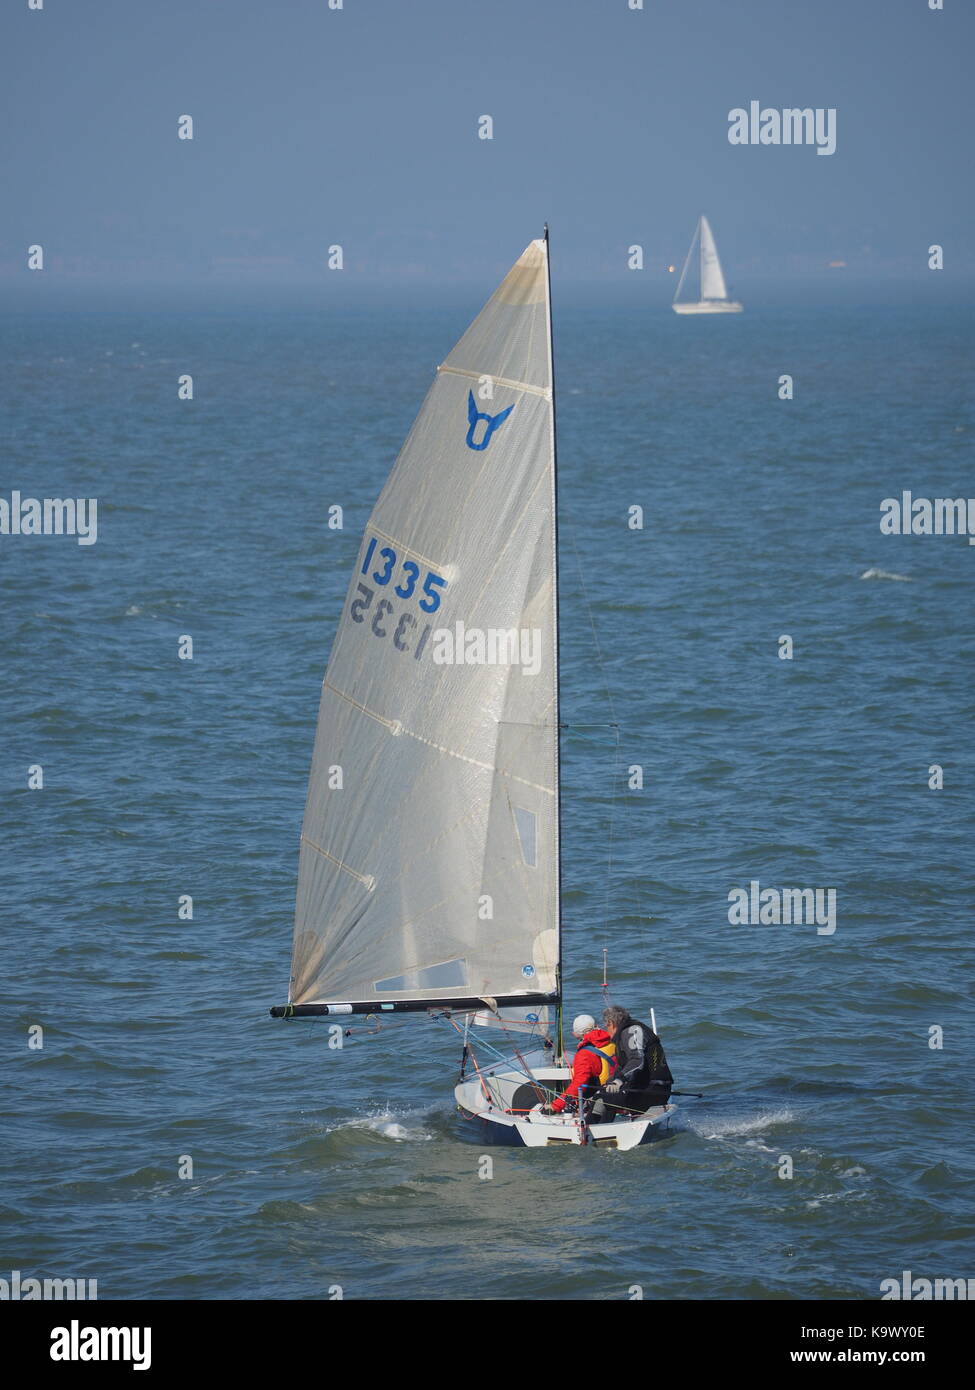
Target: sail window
526 823
449 974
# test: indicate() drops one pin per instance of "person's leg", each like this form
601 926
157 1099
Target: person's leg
641 1101
611 1107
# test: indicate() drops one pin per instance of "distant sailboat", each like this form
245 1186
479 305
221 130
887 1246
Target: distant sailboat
714 292
429 866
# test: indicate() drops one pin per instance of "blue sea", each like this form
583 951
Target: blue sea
844 1058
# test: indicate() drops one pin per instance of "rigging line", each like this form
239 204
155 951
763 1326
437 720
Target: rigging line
495 1102
492 1102
473 1060
534 724
592 622
537 1086
612 823
614 725
539 1093
607 724
499 1055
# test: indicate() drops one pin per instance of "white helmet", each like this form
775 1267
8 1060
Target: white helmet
583 1024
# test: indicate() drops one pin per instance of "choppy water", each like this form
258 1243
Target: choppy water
162 777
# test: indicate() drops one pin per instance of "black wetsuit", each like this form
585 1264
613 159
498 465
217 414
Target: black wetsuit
642 1068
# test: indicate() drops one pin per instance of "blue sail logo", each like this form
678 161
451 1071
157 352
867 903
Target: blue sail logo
493 421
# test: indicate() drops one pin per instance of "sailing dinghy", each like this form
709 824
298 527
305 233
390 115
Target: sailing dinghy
714 292
429 860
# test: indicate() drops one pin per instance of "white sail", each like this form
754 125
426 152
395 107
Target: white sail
428 866
713 292
712 280
511 1018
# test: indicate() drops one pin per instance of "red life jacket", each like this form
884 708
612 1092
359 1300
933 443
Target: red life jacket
588 1076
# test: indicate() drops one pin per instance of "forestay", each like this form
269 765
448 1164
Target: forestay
428 867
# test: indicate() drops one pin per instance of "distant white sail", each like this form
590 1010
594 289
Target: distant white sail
714 292
712 281
432 873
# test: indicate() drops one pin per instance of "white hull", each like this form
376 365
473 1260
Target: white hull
500 1099
709 306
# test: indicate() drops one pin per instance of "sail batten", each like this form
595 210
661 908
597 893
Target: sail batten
435 768
543 391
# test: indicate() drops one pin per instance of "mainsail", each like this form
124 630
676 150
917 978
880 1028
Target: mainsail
712 280
428 865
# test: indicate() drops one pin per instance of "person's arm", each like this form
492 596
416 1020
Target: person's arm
636 1058
582 1072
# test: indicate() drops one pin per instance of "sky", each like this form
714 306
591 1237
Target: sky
358 127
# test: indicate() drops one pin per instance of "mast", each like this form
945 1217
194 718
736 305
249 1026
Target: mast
558 667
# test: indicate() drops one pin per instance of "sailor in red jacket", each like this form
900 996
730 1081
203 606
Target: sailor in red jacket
592 1066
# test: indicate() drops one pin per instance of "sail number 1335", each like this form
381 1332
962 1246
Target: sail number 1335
411 572
403 630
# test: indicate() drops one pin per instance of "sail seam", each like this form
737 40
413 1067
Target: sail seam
475 762
542 391
440 748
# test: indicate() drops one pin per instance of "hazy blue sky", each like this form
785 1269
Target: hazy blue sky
359 127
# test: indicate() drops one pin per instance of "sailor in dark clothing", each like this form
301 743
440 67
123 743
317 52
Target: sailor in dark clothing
642 1076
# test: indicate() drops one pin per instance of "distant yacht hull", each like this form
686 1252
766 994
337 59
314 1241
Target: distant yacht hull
709 306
